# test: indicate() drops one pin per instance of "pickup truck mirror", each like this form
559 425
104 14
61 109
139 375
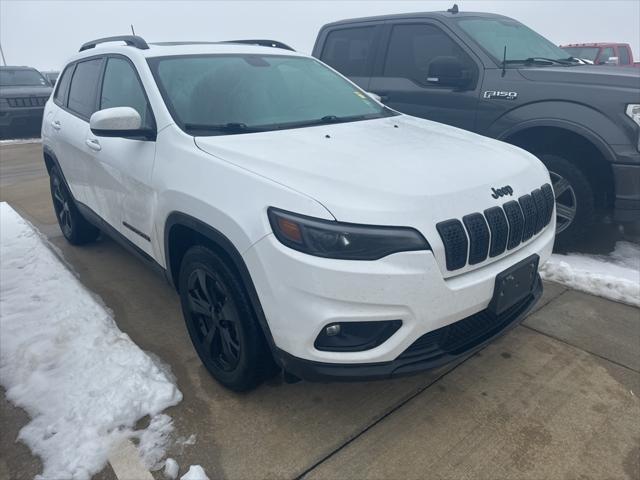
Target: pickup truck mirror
612 61
119 122
448 71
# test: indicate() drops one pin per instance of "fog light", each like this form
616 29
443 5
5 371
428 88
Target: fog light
355 336
332 330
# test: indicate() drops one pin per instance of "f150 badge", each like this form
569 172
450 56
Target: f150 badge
500 95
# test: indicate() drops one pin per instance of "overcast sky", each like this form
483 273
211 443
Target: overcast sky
44 33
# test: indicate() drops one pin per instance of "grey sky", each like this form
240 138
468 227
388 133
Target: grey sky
44 33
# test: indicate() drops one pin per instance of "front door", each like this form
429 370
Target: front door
123 195
402 75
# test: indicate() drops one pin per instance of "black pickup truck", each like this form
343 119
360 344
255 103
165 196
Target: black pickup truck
493 75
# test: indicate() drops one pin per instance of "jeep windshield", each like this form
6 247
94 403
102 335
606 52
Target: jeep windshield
524 46
233 94
21 78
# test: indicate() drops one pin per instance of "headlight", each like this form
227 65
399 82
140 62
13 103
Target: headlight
348 241
633 112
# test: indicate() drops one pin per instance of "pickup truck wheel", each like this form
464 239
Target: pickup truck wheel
75 228
574 201
220 321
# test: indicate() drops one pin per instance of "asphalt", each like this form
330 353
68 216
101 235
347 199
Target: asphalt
557 397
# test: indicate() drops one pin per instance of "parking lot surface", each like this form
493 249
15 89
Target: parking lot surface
557 397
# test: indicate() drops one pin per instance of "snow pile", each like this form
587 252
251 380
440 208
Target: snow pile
196 472
171 468
83 382
615 276
18 141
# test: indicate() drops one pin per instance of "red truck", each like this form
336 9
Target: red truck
616 54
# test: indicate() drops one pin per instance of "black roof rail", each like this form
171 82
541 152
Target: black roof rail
131 40
263 43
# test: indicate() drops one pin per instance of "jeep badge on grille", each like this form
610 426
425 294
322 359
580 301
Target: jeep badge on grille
501 192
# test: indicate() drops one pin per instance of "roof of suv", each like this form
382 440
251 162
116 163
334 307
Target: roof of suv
137 46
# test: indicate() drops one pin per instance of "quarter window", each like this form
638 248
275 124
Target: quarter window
349 50
413 47
82 94
121 88
60 96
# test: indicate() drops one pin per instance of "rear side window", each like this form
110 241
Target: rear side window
121 88
624 55
605 55
413 47
62 88
84 85
349 50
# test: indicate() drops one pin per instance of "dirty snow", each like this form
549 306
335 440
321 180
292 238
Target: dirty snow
615 276
196 472
18 141
82 381
171 468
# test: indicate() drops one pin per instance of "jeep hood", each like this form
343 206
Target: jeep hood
392 171
602 76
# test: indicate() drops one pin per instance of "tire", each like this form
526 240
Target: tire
221 322
575 201
75 228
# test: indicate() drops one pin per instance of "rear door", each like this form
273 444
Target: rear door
350 49
71 128
401 75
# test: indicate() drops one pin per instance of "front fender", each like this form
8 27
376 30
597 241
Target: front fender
577 118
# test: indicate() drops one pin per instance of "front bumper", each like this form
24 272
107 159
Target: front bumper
24 116
301 294
430 351
627 187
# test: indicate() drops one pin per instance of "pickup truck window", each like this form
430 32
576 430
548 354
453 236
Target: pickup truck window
586 53
228 94
605 55
623 53
522 43
413 47
349 50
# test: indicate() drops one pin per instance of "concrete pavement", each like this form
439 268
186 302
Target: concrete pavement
555 398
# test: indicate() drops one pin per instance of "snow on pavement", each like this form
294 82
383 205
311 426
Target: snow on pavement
82 381
615 276
19 141
195 472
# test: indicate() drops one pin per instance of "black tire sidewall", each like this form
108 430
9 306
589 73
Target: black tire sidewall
585 200
248 373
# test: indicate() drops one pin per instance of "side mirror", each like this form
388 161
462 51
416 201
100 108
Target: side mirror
449 72
119 122
375 96
612 61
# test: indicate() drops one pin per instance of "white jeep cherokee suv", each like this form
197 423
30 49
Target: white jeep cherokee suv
304 224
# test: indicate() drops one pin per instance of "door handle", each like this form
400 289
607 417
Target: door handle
56 124
94 144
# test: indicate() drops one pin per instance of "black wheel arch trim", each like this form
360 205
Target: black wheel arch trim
220 240
589 135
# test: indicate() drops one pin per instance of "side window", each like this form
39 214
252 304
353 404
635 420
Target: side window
62 88
84 84
624 55
349 50
121 88
605 55
413 47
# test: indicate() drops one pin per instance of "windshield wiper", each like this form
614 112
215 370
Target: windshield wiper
541 60
231 127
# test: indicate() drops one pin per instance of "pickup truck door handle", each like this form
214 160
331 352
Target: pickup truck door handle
56 124
94 144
